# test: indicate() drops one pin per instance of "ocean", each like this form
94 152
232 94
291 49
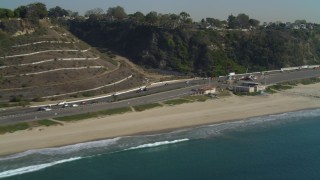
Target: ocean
283 146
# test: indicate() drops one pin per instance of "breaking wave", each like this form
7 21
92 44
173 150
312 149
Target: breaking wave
150 145
33 168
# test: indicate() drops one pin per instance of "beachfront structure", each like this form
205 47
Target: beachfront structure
206 90
249 87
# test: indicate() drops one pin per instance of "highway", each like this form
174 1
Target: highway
154 94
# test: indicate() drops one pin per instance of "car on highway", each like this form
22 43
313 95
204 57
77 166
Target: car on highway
44 109
61 103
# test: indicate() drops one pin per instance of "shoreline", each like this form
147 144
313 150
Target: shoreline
160 120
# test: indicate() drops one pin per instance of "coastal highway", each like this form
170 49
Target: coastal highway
153 94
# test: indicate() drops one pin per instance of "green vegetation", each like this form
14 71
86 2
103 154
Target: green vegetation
26 125
270 90
279 87
291 84
310 81
88 94
14 104
47 122
84 116
13 128
176 101
199 98
146 106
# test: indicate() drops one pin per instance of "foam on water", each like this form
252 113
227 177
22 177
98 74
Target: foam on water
64 149
156 144
33 168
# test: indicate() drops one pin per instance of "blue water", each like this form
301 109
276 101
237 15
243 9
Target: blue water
284 146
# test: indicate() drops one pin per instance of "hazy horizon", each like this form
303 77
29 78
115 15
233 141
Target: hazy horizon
264 11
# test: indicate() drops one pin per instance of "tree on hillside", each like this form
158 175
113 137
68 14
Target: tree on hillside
185 17
57 12
152 17
300 22
95 11
233 22
6 13
254 22
214 22
37 11
117 12
20 12
243 20
138 17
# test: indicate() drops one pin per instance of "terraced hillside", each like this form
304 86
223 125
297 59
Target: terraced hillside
53 64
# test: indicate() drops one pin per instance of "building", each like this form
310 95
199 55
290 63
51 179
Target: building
206 90
248 87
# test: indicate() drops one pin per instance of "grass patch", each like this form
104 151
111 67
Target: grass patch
279 87
310 81
176 101
47 122
146 106
270 90
199 98
14 104
14 128
77 117
84 116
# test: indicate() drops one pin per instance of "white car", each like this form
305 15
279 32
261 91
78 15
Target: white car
74 105
61 103
44 109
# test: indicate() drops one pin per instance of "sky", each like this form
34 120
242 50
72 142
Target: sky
263 10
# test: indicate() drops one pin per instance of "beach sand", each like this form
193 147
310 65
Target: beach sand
162 119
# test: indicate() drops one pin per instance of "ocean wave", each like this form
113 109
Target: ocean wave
33 168
156 144
64 149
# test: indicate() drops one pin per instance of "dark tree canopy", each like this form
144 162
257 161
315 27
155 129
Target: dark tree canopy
254 22
117 12
95 11
57 12
243 20
6 13
21 12
152 17
233 22
138 17
37 10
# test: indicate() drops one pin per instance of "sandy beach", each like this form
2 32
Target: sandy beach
162 119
